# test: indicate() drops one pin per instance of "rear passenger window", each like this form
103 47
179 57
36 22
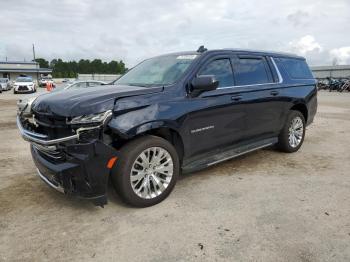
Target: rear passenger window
296 68
222 71
251 71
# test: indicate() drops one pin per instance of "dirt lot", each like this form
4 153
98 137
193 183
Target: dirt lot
265 206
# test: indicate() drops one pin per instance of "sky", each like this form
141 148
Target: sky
133 30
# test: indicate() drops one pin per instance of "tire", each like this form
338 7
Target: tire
286 144
14 92
154 191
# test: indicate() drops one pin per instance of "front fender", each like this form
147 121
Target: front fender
141 120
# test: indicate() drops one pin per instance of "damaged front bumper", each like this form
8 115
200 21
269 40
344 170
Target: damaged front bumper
70 165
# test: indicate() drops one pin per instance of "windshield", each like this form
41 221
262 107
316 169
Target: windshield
158 71
3 80
24 79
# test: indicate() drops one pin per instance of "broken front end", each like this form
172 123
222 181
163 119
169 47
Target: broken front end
72 155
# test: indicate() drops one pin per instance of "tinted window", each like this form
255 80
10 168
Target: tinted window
296 68
78 85
222 71
95 83
250 71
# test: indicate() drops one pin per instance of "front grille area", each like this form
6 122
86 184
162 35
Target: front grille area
52 126
23 88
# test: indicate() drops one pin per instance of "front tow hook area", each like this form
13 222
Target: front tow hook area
83 172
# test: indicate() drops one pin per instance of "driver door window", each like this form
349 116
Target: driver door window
221 69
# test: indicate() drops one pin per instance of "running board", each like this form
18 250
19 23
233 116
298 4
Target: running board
216 157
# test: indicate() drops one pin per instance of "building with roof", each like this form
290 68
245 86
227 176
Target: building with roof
14 69
337 71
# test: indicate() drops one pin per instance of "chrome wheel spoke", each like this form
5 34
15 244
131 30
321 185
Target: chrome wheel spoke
137 177
151 172
158 183
296 131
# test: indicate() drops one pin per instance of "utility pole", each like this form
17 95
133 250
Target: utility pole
37 69
33 52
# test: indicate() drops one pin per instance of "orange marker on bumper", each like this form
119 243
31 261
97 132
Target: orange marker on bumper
111 162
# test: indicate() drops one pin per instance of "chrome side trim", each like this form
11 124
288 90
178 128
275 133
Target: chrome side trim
239 154
280 78
58 188
39 138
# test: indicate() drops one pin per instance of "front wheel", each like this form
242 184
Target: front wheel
292 135
146 171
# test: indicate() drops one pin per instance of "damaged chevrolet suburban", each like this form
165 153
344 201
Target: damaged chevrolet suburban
173 113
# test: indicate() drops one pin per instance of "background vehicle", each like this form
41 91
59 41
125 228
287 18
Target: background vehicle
173 113
24 85
44 80
5 84
24 104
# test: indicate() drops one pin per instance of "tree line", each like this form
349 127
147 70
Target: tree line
70 69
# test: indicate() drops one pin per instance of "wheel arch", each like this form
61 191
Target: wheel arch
161 129
302 108
171 135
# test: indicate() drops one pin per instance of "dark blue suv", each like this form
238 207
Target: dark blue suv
173 113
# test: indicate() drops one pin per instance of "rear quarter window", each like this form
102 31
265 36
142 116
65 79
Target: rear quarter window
296 68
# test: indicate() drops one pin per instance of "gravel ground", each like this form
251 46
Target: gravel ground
265 206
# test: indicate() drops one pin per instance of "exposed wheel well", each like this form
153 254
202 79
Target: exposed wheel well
302 109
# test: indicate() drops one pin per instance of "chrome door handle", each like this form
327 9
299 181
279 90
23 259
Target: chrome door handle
236 98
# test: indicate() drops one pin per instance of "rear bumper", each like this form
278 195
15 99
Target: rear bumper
312 109
81 170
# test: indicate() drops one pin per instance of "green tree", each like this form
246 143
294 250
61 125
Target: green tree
42 62
85 66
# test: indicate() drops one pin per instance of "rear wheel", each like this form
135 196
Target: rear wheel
292 135
146 171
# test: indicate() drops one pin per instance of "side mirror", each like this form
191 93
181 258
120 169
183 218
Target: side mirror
203 83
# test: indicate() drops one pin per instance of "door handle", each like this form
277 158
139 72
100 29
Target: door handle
236 98
274 93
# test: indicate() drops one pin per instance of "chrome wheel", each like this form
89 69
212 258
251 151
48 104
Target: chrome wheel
296 131
151 172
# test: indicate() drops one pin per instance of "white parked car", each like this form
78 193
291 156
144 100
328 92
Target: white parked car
24 85
4 84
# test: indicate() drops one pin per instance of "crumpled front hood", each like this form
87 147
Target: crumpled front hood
84 101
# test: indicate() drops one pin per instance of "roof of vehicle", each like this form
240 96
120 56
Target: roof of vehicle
237 50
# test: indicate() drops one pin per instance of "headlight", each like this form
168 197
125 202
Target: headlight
91 119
